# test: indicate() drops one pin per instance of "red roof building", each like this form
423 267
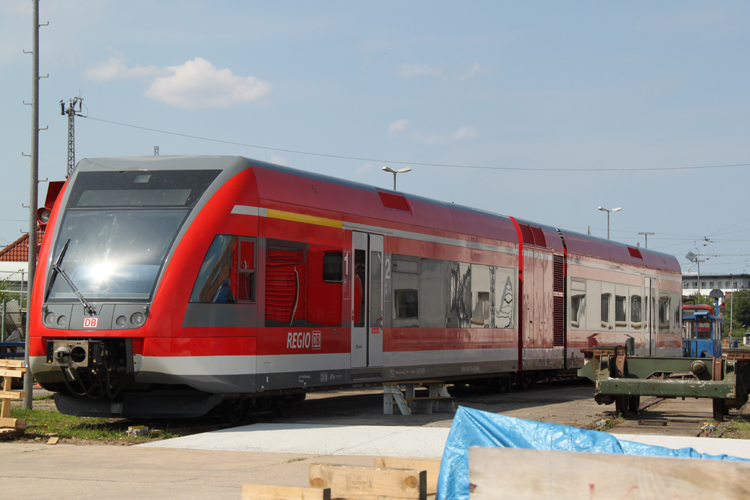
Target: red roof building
18 251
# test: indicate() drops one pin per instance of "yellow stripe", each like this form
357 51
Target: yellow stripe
306 219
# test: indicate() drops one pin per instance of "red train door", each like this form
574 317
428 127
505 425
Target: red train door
367 303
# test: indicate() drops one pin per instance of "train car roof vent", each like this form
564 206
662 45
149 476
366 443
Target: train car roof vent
634 252
394 201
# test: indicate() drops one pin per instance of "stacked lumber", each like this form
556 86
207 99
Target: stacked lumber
8 371
562 475
390 479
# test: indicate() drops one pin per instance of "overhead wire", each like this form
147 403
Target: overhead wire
424 164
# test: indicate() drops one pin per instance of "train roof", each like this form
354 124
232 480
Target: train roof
385 204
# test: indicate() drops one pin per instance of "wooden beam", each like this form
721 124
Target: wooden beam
12 363
5 409
272 492
369 483
13 372
431 465
520 473
12 422
12 394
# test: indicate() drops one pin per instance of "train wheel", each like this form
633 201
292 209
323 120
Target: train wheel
234 411
719 409
633 403
621 406
283 407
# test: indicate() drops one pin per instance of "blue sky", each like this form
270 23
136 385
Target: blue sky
511 86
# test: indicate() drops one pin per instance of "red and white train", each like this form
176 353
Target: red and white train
167 285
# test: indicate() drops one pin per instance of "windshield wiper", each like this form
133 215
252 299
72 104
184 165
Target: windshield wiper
56 269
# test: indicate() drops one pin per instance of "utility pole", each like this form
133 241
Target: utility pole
731 306
28 379
71 112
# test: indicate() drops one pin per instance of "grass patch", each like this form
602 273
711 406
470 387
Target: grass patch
82 428
607 423
737 429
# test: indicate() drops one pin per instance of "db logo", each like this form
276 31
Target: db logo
91 322
316 340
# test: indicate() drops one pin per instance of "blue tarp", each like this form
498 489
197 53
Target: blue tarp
479 428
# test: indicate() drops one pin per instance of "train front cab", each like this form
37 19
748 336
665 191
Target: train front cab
116 271
701 332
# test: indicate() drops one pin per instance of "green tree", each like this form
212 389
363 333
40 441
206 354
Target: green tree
697 298
737 311
7 291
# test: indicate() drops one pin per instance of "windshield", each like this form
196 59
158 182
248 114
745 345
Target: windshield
114 254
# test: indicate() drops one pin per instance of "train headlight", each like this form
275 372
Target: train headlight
121 321
49 319
62 322
138 319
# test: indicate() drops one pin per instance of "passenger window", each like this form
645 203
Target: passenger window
664 313
405 280
432 293
480 296
504 298
407 304
578 311
459 296
332 267
635 311
217 278
621 315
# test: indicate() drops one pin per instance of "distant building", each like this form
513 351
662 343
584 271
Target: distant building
691 283
14 262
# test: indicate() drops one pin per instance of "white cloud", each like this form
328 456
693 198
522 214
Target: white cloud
114 68
198 84
278 160
396 127
194 84
409 69
464 133
475 71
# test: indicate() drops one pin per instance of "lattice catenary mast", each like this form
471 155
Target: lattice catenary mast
72 113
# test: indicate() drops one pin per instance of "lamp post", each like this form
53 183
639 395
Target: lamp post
608 211
394 172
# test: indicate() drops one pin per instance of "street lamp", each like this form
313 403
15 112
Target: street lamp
608 211
646 235
394 172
